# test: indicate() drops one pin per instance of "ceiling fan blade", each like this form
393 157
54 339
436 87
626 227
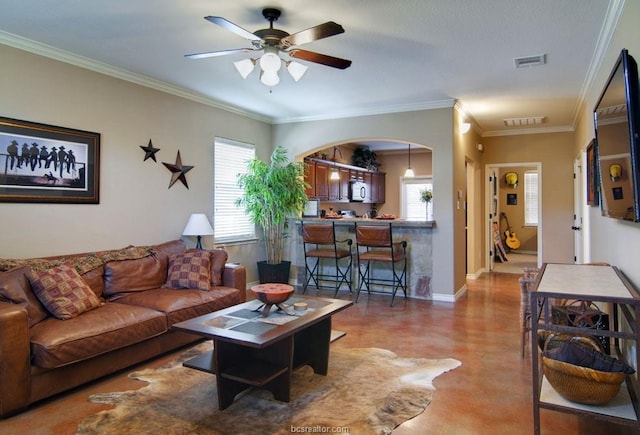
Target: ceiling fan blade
222 22
312 34
323 59
218 53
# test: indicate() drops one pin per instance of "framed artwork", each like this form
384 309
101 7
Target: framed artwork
45 163
592 175
512 199
311 208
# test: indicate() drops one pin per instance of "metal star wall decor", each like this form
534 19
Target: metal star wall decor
150 151
178 171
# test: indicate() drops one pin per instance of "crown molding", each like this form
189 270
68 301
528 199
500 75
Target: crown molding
51 52
400 108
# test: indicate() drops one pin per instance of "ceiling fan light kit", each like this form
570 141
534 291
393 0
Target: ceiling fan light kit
274 43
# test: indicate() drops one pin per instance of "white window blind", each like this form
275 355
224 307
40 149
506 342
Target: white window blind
531 198
230 223
412 206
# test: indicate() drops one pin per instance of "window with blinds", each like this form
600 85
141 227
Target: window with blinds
412 206
531 198
230 223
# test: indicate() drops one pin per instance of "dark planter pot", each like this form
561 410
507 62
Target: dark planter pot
278 273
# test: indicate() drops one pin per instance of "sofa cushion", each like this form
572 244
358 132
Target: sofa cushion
135 275
95 279
184 304
55 343
15 288
218 260
191 269
168 248
62 291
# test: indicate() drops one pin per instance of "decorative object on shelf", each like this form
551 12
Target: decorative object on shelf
511 179
198 225
272 193
57 164
272 43
178 171
272 294
150 152
409 172
364 157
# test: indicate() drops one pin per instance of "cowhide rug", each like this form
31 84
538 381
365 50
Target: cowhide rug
367 391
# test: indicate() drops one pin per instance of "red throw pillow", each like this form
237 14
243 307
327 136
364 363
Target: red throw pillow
189 270
63 291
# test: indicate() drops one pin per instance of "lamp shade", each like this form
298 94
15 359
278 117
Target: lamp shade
198 225
245 66
296 70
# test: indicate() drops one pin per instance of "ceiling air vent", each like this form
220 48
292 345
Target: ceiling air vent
523 122
522 62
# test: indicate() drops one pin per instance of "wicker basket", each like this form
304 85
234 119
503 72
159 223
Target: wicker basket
582 384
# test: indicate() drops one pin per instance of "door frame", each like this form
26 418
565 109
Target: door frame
494 168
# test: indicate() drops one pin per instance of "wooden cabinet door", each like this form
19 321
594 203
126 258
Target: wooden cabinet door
345 179
322 181
310 178
378 187
368 180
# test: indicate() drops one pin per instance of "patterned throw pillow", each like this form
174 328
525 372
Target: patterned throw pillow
63 291
189 270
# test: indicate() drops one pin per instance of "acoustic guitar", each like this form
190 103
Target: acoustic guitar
511 239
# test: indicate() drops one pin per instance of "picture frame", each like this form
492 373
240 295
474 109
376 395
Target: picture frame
512 199
41 163
311 208
593 197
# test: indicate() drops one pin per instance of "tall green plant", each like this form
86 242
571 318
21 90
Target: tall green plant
272 193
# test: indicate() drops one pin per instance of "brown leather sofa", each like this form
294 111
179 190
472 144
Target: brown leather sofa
42 355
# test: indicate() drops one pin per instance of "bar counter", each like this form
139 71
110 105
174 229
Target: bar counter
417 234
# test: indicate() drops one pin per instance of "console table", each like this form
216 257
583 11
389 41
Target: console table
609 289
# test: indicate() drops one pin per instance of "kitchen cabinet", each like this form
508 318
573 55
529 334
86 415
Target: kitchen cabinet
605 286
323 188
322 181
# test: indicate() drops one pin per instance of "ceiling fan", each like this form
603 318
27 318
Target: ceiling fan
272 42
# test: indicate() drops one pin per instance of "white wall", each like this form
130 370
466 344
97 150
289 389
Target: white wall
136 205
612 241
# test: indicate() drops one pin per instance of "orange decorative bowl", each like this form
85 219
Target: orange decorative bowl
272 293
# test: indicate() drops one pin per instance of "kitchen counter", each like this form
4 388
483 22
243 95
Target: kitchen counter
417 234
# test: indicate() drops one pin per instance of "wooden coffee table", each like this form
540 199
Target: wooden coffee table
255 351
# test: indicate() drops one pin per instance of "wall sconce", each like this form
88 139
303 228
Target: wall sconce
198 225
409 172
480 147
511 179
465 127
615 172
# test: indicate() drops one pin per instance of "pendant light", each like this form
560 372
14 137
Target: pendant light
335 175
409 172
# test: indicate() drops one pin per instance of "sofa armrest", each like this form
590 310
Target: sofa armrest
235 275
15 368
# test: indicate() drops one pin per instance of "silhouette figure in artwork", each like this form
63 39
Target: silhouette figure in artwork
44 156
51 179
12 150
34 152
71 161
53 158
24 155
62 158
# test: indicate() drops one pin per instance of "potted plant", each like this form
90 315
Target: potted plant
273 192
364 157
425 196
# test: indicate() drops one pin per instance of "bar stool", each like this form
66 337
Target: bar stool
320 243
374 243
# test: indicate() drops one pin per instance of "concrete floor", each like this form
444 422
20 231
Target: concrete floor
489 394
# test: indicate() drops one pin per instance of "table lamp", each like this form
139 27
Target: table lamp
198 225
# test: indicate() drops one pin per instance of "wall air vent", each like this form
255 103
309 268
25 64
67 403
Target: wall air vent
524 122
523 62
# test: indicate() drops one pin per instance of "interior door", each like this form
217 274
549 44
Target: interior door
492 185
